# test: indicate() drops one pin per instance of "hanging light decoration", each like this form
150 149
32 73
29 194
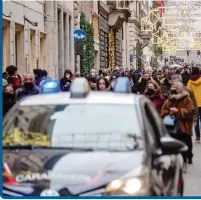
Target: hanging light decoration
187 43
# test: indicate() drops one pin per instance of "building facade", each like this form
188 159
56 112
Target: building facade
139 9
38 34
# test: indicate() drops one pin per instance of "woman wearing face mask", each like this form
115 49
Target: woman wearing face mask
8 98
153 92
179 107
102 84
66 81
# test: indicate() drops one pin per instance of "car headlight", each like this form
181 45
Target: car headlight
124 187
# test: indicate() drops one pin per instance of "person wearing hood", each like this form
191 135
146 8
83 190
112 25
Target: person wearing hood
8 98
180 107
66 81
153 92
195 84
28 87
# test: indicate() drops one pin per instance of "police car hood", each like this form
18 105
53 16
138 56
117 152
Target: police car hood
77 172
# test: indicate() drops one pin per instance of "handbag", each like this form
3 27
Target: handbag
171 124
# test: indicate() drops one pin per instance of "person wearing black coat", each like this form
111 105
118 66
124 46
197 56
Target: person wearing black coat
66 81
8 98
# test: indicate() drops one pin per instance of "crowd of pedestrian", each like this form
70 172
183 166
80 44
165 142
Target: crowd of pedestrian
174 92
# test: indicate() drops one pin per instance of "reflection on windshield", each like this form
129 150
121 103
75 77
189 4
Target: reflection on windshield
114 127
18 137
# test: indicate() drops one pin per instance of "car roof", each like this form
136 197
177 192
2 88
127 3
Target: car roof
62 98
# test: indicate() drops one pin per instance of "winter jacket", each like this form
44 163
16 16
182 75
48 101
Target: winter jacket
185 108
158 100
13 80
140 87
195 85
22 92
185 77
63 82
8 102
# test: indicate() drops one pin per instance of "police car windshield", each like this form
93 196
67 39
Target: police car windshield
104 127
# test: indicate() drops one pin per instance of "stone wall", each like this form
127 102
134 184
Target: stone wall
103 35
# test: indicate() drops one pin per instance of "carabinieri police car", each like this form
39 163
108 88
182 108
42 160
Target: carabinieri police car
84 143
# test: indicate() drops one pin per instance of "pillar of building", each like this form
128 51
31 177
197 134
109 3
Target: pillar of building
51 38
67 43
26 47
37 48
12 43
61 45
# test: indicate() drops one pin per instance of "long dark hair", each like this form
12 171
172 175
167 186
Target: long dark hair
67 71
107 84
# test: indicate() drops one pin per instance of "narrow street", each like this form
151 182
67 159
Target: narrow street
193 175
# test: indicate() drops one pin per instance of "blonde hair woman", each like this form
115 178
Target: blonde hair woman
180 105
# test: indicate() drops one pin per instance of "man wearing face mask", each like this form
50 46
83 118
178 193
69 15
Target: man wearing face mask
28 87
94 74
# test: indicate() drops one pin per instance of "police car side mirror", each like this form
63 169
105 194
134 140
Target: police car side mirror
170 145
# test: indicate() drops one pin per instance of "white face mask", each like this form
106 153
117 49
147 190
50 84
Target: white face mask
93 73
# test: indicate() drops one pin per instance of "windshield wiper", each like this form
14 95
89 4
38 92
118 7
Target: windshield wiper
31 147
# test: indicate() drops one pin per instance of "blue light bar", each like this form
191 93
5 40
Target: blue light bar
122 85
50 86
